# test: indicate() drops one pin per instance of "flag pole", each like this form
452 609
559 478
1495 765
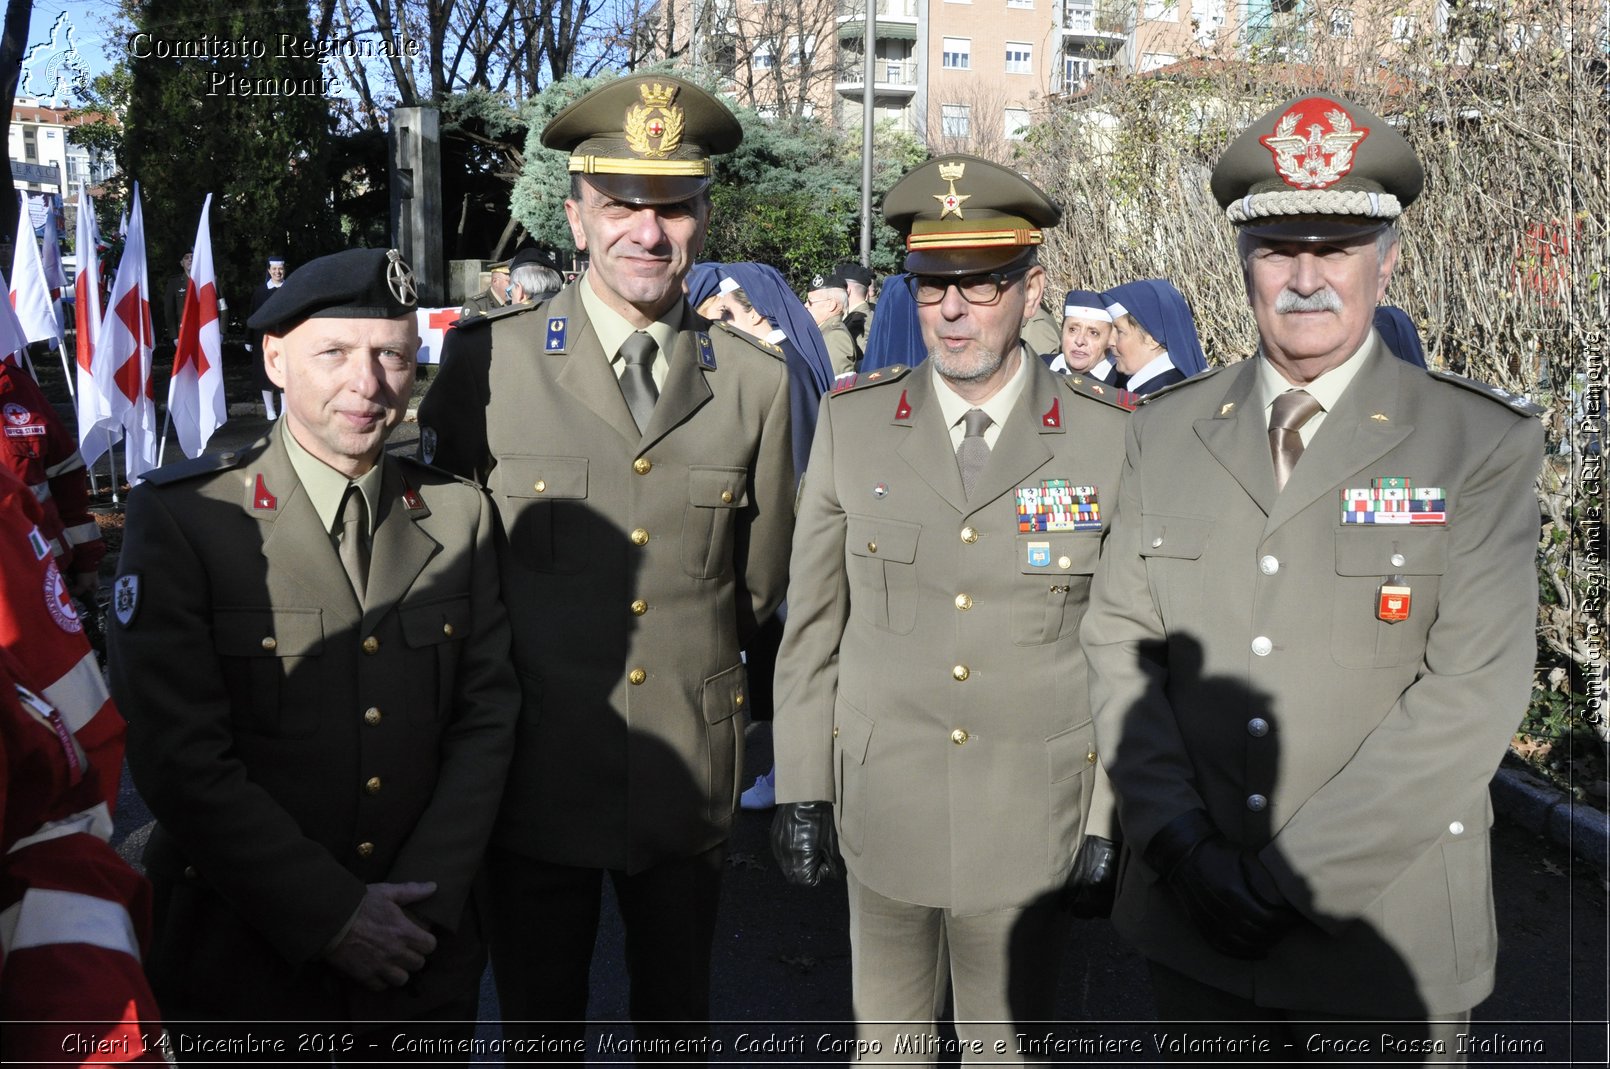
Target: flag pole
167 421
67 373
111 462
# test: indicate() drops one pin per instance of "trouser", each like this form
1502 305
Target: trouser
544 925
1002 972
1219 1027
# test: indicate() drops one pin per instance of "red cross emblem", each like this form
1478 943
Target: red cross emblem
655 127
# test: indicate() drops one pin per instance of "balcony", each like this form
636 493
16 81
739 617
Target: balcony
1104 23
896 19
895 77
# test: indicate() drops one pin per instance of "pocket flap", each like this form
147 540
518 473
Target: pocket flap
542 478
853 730
883 539
268 632
435 622
1367 549
1058 554
725 694
718 488
1069 752
1184 537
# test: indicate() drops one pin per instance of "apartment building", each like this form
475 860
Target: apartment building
48 162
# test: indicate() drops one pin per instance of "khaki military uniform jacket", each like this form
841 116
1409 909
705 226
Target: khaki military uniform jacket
1042 333
636 567
840 345
930 682
293 746
1240 666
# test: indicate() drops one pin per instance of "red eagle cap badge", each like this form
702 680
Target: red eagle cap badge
1313 143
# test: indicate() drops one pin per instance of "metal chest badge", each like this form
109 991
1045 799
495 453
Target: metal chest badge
1392 601
1313 143
1039 554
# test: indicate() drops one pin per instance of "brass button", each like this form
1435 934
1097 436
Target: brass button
366 849
639 536
447 629
639 607
871 547
960 673
739 700
371 644
1064 563
835 731
372 785
269 643
1090 758
190 872
642 466
540 486
726 497
636 676
964 602
969 535
958 736
371 716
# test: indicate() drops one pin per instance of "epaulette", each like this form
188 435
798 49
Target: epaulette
439 473
1148 398
1513 401
205 464
1085 386
759 343
482 319
852 380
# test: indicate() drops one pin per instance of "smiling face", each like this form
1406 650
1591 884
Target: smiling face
346 384
1314 301
638 253
1084 341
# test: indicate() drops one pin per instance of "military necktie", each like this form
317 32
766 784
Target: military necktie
637 379
354 553
973 453
1291 410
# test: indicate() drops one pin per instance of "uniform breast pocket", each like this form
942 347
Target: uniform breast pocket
544 512
1172 547
1367 555
714 497
1054 586
883 572
270 660
435 631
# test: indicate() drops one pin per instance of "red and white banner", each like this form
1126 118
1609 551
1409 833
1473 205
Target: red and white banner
434 323
93 408
30 295
12 338
196 390
123 352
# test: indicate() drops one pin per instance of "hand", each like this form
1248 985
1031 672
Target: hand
1093 879
385 943
1228 894
805 843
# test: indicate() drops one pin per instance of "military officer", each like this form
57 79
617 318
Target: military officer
827 300
932 707
496 294
639 456
313 659
859 307
1311 636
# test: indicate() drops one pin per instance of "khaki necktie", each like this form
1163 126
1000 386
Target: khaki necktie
1291 410
973 453
637 379
354 552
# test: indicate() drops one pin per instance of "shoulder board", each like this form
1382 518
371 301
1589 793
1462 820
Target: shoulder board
718 327
205 464
1087 387
853 380
481 319
1146 399
437 475
1509 400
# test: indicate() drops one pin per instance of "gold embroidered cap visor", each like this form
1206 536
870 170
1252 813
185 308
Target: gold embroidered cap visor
644 139
1317 168
962 215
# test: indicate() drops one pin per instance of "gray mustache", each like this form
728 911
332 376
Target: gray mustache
1325 300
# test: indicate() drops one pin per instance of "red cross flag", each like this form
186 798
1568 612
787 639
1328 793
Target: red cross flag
125 343
93 408
434 323
196 390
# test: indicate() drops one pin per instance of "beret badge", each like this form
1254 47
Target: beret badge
654 127
1313 144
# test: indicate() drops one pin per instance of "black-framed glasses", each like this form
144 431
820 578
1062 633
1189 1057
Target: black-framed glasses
981 290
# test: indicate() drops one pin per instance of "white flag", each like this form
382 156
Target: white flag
123 352
196 390
30 295
12 339
93 406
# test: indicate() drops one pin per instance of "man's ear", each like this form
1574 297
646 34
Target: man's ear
275 358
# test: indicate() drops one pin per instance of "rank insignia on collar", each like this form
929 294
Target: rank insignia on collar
556 334
412 499
1380 417
903 409
707 351
1226 408
1053 415
262 499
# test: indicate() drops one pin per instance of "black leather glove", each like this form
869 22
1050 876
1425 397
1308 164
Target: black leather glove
1093 879
1227 892
805 843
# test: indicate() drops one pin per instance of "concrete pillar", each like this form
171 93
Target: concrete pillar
416 198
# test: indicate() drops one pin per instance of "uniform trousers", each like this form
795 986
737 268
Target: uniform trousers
545 922
1003 972
1296 1035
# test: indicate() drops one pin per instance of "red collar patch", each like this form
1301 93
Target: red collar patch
1053 415
261 498
903 409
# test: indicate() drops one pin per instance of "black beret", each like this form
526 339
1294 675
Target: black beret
834 281
355 284
853 272
531 255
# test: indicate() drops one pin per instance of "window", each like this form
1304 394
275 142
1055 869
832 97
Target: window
958 54
801 50
1020 3
764 58
954 120
1161 10
1402 29
1019 58
1017 123
1075 72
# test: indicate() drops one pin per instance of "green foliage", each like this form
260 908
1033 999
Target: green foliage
200 125
790 231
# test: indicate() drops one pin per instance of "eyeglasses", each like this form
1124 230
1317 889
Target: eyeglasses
980 290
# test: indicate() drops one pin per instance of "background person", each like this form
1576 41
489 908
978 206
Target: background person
254 338
1154 335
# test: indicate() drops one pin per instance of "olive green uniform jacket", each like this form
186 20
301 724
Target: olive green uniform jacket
1240 666
840 345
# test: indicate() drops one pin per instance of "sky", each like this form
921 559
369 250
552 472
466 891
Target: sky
86 29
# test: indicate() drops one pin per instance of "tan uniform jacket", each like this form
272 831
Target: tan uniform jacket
840 345
930 682
292 746
636 566
1239 666
1043 333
